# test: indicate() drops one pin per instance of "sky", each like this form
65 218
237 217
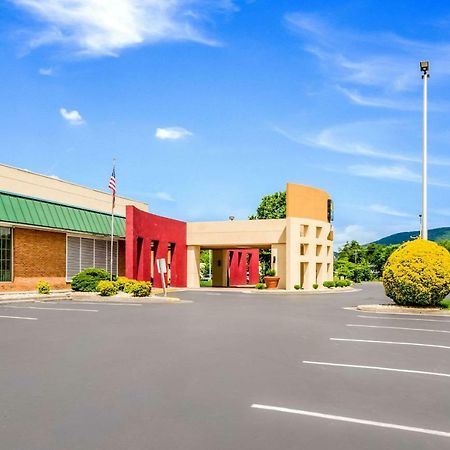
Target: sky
207 105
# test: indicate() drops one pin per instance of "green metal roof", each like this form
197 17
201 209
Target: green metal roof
19 209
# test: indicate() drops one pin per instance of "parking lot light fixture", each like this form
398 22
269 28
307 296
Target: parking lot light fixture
424 68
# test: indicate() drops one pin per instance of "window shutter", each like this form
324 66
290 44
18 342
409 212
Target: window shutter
73 257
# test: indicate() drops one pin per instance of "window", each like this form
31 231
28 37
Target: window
5 254
303 230
303 249
318 250
86 252
318 232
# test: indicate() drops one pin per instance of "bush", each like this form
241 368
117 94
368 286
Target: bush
43 287
297 287
87 279
128 286
121 282
141 289
107 288
260 286
270 273
329 284
315 285
418 274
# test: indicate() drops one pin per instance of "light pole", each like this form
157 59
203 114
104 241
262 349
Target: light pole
424 68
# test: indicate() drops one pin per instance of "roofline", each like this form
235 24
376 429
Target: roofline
13 194
68 182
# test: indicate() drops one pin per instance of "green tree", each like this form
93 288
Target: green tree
445 244
204 263
272 206
353 252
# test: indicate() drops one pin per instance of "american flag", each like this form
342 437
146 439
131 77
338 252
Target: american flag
112 185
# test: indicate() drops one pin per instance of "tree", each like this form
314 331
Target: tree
353 252
204 263
272 206
445 244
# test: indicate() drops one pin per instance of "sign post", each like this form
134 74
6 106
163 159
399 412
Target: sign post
162 270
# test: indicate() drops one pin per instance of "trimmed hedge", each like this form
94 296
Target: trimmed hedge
297 287
107 288
141 289
329 284
43 287
418 274
260 286
121 282
87 279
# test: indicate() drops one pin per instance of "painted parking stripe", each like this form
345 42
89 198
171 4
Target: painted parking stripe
404 318
52 309
352 420
387 369
18 317
396 328
421 314
417 344
108 304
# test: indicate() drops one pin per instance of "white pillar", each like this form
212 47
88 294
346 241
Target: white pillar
193 266
424 229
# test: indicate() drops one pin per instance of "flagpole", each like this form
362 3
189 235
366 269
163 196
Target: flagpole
112 224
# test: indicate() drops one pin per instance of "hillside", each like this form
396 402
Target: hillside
437 234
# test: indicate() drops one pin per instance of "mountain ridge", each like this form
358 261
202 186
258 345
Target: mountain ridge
436 234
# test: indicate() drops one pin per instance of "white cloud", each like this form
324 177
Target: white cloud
73 117
388 211
353 232
400 173
46 71
100 27
165 196
339 139
371 139
383 65
172 133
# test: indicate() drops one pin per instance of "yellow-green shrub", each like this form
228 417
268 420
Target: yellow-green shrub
121 282
128 286
141 289
107 288
43 287
418 274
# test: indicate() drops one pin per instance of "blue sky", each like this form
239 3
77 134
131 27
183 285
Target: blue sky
208 105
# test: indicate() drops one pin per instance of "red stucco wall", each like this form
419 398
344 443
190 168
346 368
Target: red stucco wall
141 229
237 266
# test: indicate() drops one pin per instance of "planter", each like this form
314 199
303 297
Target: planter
271 282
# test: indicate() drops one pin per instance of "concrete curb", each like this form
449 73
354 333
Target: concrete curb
395 309
271 291
22 298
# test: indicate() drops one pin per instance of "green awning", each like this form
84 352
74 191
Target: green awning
18 209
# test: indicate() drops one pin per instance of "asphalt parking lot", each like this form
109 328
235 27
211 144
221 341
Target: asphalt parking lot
231 370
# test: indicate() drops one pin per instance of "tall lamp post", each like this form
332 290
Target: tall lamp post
424 68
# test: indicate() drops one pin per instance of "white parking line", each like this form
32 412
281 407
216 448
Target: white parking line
52 309
388 369
403 318
353 420
397 328
389 342
108 304
18 317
